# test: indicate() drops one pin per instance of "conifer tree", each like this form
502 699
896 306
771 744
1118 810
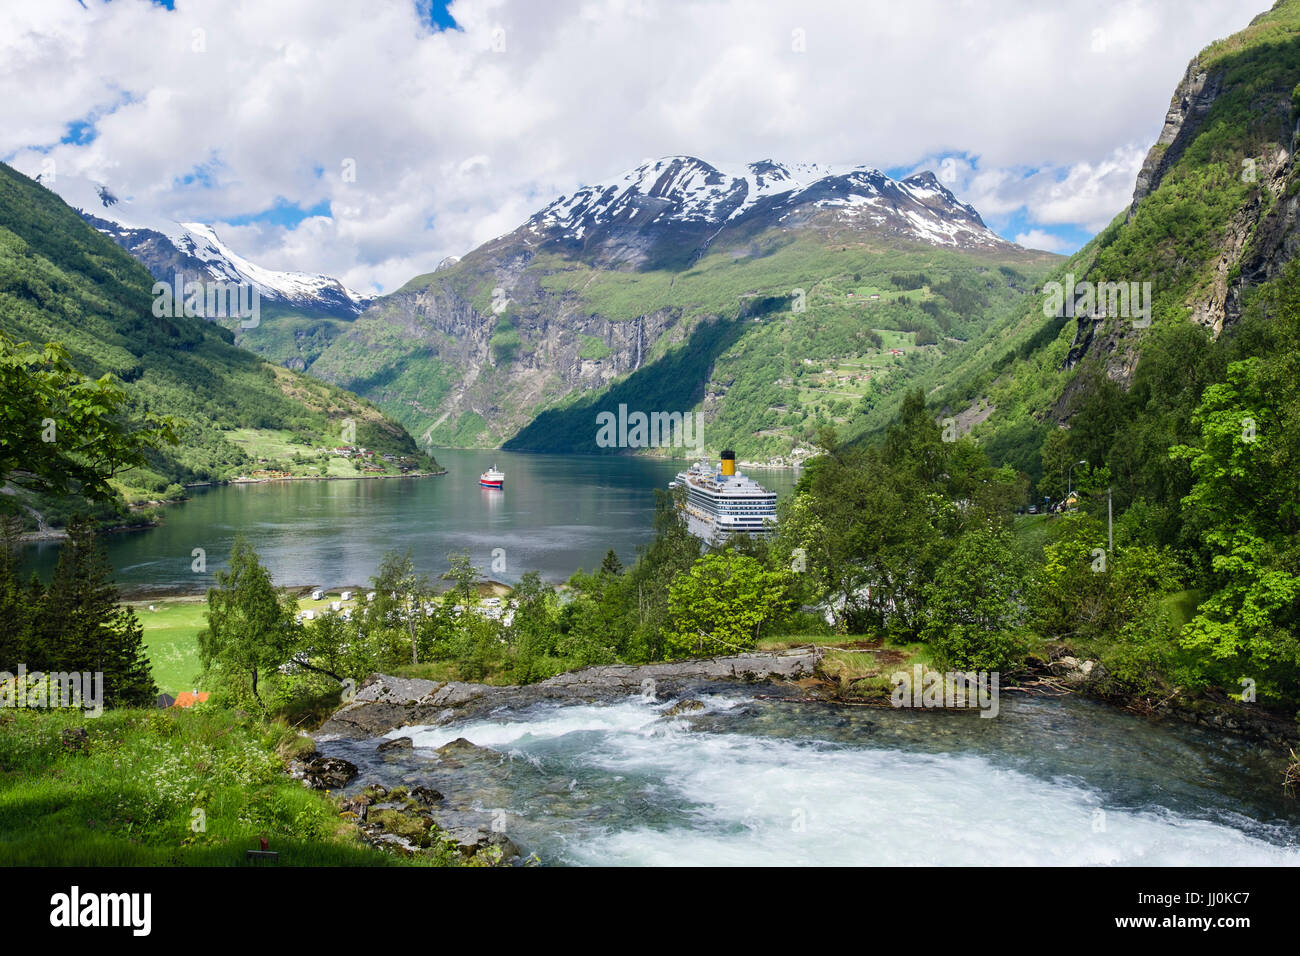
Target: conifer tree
15 614
84 626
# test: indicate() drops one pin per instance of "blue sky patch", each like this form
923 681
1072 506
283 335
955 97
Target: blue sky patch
436 14
283 213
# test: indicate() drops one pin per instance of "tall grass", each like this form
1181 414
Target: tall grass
153 787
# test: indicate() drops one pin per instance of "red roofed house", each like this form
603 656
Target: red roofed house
187 699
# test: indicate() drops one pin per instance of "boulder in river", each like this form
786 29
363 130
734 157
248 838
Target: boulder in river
473 840
457 752
687 706
325 773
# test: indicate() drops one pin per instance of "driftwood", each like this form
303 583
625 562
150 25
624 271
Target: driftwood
1041 686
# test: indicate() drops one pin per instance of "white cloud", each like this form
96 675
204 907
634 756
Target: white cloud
1039 239
458 136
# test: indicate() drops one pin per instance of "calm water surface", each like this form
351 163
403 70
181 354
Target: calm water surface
556 514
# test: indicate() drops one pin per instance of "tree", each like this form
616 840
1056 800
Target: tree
611 564
250 632
721 605
534 627
636 603
16 611
398 582
1083 591
1056 458
63 433
1244 507
81 626
974 605
464 577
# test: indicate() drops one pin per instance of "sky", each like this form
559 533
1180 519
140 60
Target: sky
369 139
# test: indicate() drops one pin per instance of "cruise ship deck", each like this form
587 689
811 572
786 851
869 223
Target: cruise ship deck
721 502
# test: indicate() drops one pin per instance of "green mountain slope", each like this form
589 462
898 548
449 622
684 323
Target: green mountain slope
835 320
1211 226
62 281
875 320
1191 422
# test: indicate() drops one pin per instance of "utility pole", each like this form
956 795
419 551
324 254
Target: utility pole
1110 525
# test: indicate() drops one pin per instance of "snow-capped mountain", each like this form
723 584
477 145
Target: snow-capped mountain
166 247
680 202
468 353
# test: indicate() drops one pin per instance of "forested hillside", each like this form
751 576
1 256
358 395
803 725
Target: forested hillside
1191 422
62 281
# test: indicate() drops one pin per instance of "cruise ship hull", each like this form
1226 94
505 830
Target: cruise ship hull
719 505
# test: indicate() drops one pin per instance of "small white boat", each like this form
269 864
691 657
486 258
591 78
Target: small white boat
492 478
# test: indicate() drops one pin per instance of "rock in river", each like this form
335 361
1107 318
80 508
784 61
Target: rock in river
384 702
324 773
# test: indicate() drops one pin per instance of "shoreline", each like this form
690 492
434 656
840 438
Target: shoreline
144 593
59 534
260 481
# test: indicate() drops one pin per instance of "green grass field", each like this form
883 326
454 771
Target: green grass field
274 449
171 634
171 639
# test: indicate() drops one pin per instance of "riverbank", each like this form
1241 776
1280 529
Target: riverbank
243 480
857 673
177 787
385 702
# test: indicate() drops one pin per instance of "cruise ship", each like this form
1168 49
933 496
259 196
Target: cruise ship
721 501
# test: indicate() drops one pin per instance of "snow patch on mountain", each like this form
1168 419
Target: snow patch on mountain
689 191
130 225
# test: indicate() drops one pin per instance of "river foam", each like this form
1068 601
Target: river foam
710 791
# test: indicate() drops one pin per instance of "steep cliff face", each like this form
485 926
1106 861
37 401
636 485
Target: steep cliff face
473 367
1274 240
1188 108
1215 205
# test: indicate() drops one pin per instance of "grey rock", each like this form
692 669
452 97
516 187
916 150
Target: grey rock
471 840
326 773
384 702
687 706
425 796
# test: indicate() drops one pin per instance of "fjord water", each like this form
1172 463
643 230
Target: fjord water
752 781
556 513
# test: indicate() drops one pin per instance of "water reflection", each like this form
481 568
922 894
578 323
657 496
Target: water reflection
558 513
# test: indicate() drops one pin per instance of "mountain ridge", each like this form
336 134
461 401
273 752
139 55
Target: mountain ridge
193 249
597 284
709 204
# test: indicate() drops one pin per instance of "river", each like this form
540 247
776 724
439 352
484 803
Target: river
557 513
751 781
